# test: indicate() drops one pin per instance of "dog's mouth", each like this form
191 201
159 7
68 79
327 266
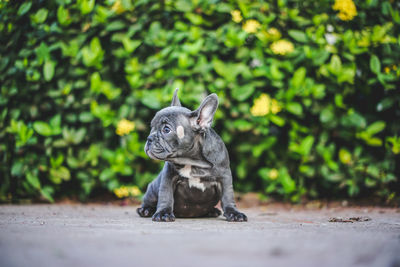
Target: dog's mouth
157 152
158 149
152 155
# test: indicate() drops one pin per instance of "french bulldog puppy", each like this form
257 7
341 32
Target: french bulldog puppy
196 173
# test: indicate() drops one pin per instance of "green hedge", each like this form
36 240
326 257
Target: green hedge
309 93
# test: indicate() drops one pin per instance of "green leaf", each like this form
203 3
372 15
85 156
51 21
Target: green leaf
346 75
130 45
335 65
183 6
299 36
63 16
115 26
86 117
79 136
345 156
48 70
93 54
276 74
102 13
264 146
326 115
374 141
55 124
106 175
33 180
376 127
307 170
375 64
86 6
263 172
183 60
40 15
59 174
74 163
95 82
353 189
60 143
242 93
220 68
287 182
373 171
73 136
306 145
294 108
395 141
354 119
17 168
95 46
298 77
277 120
42 128
22 132
24 8
43 52
243 125
56 162
241 171
194 18
47 192
150 99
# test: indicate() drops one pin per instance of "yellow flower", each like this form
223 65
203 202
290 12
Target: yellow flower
236 16
251 26
261 105
121 192
273 174
134 190
347 9
274 33
124 127
118 7
387 69
126 191
282 47
394 67
264 105
275 107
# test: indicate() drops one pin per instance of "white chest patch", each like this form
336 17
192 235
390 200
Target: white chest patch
193 182
180 132
186 171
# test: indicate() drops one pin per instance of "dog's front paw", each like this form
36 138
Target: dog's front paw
146 211
233 215
164 215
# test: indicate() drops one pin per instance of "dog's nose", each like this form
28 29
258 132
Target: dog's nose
149 140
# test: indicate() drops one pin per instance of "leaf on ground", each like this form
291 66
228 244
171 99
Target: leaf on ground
349 220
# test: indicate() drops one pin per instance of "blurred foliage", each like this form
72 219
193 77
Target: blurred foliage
309 93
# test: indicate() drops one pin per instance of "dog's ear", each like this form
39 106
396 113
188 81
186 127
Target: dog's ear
175 99
203 116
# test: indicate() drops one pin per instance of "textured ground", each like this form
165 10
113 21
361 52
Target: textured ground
89 235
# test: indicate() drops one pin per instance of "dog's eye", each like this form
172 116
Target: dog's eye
166 129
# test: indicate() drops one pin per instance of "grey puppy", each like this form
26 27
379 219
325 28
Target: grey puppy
196 173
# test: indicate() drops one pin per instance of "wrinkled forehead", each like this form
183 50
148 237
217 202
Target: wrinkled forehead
171 115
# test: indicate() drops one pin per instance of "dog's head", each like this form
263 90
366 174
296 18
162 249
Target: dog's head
175 130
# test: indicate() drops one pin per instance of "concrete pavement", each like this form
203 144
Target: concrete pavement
102 235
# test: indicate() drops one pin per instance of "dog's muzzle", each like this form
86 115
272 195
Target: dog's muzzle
154 149
148 144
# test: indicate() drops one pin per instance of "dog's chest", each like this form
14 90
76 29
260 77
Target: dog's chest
194 177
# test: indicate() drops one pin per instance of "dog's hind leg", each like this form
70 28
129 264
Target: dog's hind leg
214 213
